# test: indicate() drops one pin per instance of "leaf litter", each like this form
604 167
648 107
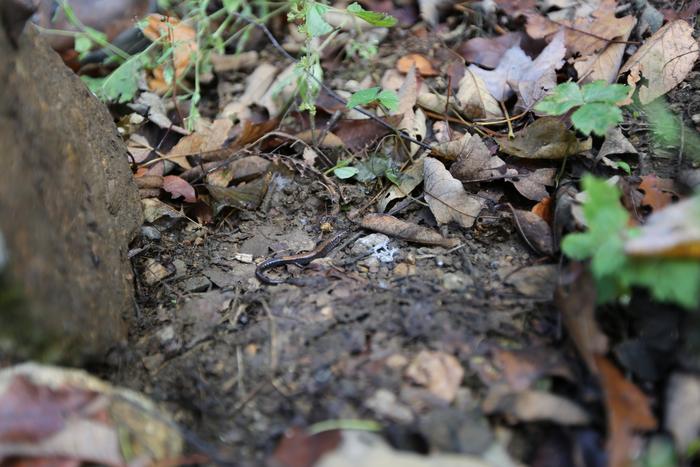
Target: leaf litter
474 187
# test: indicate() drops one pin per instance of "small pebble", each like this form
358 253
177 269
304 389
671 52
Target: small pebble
150 232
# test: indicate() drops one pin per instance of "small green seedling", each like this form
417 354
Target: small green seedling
597 102
668 280
385 98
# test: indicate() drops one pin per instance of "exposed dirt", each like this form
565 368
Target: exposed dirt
239 363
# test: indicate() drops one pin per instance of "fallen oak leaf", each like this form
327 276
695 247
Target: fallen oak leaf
182 38
446 197
394 227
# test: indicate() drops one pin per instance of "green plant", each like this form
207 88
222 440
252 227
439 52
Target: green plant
311 16
597 104
670 280
387 99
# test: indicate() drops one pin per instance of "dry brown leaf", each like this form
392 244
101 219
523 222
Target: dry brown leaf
390 225
665 59
178 187
658 192
628 412
473 159
183 39
441 373
576 301
532 185
244 197
357 134
206 138
586 35
413 122
533 406
257 84
530 79
475 100
422 64
488 51
544 209
536 232
605 64
446 196
409 180
545 138
524 367
240 170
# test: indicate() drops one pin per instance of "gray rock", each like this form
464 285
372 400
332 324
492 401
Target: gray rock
68 209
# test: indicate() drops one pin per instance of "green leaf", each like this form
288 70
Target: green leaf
622 165
345 172
373 18
315 24
389 99
597 118
563 98
668 280
601 91
374 167
363 97
120 86
83 44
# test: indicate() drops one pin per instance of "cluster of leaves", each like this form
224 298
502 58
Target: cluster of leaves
668 280
597 104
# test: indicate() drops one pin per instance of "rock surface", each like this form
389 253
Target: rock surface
68 208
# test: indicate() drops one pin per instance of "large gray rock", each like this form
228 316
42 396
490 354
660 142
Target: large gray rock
68 208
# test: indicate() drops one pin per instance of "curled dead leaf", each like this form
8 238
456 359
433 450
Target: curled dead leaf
422 64
446 196
394 227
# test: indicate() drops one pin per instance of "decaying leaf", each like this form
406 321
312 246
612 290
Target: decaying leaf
488 51
446 196
182 37
628 412
605 64
474 98
413 122
672 232
422 64
409 180
587 34
665 59
154 209
58 416
545 138
615 144
206 138
576 299
658 192
532 405
532 184
178 187
535 231
357 134
530 79
257 84
403 230
240 170
473 159
245 197
441 373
